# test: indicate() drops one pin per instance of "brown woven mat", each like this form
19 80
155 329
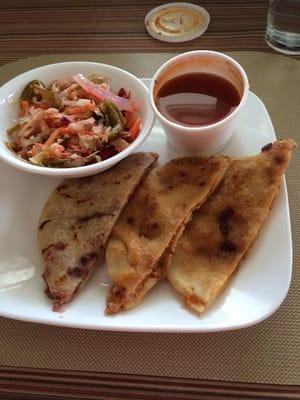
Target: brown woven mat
266 353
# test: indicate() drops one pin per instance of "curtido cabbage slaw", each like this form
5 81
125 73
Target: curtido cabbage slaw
74 122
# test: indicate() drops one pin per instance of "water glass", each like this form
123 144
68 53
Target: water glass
283 26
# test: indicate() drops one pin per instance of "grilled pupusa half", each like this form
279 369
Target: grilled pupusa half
222 230
150 224
77 220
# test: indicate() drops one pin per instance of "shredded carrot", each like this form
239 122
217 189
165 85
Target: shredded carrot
78 109
55 134
134 129
129 118
43 105
24 107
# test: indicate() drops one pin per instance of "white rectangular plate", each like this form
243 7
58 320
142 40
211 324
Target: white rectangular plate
253 294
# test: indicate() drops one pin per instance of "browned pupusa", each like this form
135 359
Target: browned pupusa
151 222
223 229
77 220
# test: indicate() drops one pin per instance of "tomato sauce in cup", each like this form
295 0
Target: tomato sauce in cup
197 97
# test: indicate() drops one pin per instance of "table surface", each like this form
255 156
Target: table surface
35 28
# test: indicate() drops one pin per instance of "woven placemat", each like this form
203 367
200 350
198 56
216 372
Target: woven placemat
266 353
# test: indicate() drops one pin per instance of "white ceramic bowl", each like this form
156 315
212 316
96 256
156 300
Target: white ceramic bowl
117 78
204 139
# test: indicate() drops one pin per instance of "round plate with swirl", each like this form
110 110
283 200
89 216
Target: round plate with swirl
177 22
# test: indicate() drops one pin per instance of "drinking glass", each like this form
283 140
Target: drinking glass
283 26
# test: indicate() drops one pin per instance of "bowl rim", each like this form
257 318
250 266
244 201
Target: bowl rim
200 128
84 170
